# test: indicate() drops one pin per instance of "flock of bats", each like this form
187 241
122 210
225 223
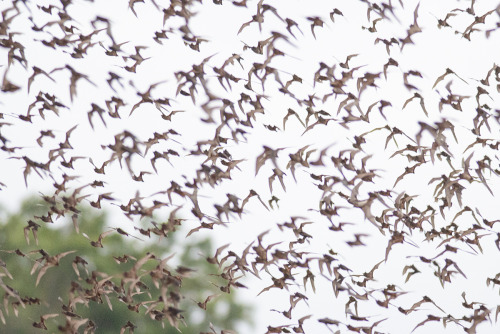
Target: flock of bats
231 95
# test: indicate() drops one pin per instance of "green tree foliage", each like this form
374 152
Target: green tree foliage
58 290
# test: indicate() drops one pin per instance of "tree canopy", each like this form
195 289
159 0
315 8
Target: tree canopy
64 287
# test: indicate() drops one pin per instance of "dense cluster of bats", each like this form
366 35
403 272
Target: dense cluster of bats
441 159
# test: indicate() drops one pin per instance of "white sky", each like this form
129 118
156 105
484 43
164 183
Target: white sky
434 51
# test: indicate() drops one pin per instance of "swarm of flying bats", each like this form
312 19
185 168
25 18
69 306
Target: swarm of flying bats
449 149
